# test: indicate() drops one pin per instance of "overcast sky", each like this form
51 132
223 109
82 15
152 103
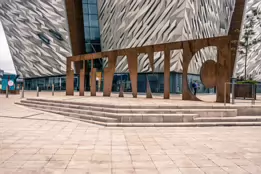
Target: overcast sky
6 62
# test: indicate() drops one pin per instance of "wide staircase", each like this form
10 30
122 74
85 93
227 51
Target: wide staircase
149 116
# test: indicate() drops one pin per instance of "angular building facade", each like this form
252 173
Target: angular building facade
126 24
37 35
42 33
253 61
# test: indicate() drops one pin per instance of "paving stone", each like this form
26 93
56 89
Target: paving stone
143 164
28 171
253 169
34 164
40 157
169 171
191 170
204 162
76 171
56 164
52 170
121 171
58 157
184 163
234 170
77 147
78 164
100 171
122 165
146 170
213 170
164 164
160 157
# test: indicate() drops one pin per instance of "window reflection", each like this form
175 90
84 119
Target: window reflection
91 26
93 21
45 83
92 9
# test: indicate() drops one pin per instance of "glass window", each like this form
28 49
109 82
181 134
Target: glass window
95 33
92 1
88 48
92 48
86 20
85 8
63 83
93 20
93 9
87 33
84 1
96 47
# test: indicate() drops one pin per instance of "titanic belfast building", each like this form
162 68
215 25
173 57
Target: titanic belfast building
41 34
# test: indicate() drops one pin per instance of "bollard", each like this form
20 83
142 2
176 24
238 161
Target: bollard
37 91
6 92
22 94
233 92
225 96
253 94
52 89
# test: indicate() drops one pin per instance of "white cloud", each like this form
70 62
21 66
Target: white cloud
6 62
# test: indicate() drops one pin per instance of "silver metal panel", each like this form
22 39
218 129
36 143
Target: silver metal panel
37 34
132 23
254 57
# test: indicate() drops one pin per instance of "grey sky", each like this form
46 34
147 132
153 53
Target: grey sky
6 62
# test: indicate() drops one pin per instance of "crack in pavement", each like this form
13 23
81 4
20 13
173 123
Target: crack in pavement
41 113
28 118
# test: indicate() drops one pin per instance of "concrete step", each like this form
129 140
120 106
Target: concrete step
127 106
242 110
214 124
229 119
115 112
81 116
125 118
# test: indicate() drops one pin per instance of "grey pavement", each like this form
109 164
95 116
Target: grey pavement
38 142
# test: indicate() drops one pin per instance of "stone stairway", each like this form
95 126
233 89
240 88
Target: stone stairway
142 115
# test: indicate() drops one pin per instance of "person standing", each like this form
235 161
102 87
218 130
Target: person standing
195 87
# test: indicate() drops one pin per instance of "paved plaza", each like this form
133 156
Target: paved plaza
39 142
175 99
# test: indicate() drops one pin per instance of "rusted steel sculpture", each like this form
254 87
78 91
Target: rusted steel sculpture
220 70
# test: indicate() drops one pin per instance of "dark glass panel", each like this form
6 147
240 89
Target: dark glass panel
95 33
92 9
86 20
94 21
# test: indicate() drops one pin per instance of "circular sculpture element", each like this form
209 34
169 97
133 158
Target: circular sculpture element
208 73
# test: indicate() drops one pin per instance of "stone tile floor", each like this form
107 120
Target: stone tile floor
38 142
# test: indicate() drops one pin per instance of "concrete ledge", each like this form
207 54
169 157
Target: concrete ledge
229 119
182 124
118 112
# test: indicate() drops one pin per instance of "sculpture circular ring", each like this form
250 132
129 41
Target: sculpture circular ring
208 73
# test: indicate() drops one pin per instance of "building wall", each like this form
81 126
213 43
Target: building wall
37 34
132 23
254 57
